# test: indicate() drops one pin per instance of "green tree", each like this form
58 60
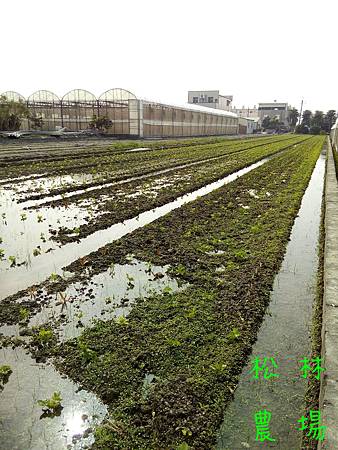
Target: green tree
293 117
317 120
266 122
306 118
35 122
329 120
102 123
11 114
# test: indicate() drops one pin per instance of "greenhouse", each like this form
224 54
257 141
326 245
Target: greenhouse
127 115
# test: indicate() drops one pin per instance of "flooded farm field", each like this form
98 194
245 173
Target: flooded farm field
134 280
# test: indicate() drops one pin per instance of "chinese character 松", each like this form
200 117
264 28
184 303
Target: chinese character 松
264 367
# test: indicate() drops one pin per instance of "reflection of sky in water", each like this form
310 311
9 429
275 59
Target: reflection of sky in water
20 238
23 231
44 185
21 425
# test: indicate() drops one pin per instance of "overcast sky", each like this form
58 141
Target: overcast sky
256 50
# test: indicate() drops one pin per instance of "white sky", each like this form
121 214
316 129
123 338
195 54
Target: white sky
258 51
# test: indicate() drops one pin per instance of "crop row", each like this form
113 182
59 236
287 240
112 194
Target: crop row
122 166
54 151
97 164
122 202
228 246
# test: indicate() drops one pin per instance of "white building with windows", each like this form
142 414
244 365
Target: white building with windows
210 99
280 111
252 113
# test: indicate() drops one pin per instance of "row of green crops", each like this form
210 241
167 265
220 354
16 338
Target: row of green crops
54 150
126 165
122 202
123 163
228 245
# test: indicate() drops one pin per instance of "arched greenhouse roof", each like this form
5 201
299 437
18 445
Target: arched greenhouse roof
14 96
117 94
43 96
79 95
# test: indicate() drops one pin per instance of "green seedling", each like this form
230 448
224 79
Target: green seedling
233 335
23 216
52 404
86 353
44 336
122 320
40 218
53 277
79 315
173 342
12 260
5 372
149 267
241 254
186 431
192 313
218 368
167 290
24 314
2 253
255 229
183 446
180 270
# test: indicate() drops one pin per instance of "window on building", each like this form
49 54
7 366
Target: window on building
195 99
210 99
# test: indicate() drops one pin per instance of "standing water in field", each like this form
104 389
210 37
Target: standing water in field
284 336
41 267
24 425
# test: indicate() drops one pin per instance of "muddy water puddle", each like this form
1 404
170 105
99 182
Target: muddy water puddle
23 424
284 336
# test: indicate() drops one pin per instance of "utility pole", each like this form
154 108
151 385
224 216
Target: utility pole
300 112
